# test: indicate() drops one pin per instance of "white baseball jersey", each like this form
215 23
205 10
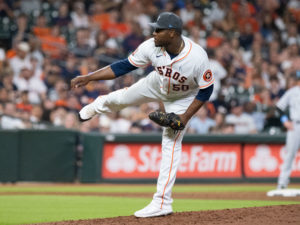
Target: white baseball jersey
291 99
175 82
174 78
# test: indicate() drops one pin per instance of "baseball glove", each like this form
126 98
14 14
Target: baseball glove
167 120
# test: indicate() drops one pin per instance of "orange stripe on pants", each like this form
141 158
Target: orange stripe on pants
162 198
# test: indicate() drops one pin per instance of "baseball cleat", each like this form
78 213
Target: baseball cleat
86 113
152 211
281 187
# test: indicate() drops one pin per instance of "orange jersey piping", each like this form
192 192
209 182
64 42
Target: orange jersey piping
185 55
204 86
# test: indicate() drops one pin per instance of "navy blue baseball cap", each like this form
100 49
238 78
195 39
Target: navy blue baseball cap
167 20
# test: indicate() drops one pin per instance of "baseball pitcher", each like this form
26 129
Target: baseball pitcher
182 80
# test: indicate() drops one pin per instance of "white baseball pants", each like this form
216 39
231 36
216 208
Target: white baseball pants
140 93
292 147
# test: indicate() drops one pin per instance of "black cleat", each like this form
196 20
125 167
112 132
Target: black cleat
82 120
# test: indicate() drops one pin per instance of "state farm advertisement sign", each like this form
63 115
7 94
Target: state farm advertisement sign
197 161
266 160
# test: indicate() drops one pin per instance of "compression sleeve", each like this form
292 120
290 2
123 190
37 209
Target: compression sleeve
204 94
122 67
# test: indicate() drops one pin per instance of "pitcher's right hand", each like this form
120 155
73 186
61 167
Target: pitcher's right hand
79 81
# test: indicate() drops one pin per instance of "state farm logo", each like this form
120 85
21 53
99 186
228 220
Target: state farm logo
296 161
121 160
208 161
147 158
263 160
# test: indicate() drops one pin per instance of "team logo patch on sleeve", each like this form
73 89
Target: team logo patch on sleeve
207 76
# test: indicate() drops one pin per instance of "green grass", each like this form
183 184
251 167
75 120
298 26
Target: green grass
140 188
22 209
26 209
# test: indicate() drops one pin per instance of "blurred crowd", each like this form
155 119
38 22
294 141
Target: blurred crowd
253 48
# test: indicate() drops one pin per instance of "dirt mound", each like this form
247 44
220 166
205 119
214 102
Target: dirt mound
269 215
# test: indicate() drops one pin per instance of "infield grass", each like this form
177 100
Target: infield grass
117 188
38 208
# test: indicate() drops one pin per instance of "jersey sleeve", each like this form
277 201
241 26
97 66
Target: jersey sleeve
204 76
140 57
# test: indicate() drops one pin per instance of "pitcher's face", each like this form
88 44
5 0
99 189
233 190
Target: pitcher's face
162 37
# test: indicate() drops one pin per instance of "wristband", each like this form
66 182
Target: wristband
284 118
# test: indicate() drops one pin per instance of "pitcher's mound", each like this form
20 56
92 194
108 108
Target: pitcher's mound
269 215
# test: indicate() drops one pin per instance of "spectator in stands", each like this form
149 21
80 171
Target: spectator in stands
54 44
219 124
71 121
229 25
58 94
70 68
21 60
201 123
6 81
133 39
30 6
272 121
255 50
187 14
57 116
104 123
41 27
115 27
48 106
9 119
228 128
214 39
218 70
27 82
291 35
4 95
275 90
24 104
119 124
36 68
36 118
101 38
72 103
82 47
79 16
22 32
243 123
63 19
250 108
197 36
36 52
5 10
52 73
110 52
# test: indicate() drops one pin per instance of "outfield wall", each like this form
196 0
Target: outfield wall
38 155
205 158
69 156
